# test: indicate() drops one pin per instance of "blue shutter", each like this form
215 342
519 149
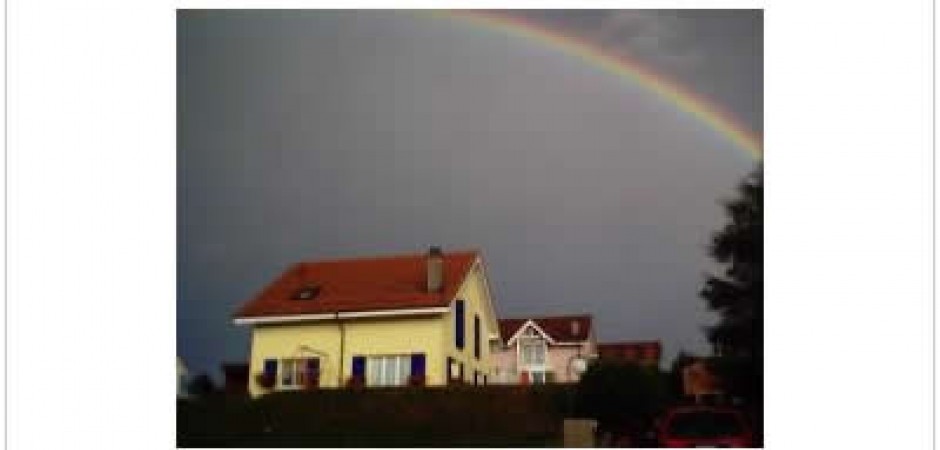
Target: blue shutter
417 364
313 367
270 367
459 324
359 366
476 336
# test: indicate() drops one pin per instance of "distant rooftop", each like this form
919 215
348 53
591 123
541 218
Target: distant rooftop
568 328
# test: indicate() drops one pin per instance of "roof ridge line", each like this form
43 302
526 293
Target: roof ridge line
564 316
385 257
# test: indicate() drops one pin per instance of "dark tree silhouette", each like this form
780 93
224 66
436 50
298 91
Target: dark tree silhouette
623 397
676 385
737 292
202 385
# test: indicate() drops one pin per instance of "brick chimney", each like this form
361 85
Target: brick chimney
435 269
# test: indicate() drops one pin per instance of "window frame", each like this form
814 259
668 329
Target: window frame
387 370
541 348
296 369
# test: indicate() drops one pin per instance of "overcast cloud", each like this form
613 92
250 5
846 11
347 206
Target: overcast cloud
306 135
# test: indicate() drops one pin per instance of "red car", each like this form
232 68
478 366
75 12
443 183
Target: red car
704 426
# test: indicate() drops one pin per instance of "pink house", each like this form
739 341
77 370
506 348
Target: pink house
543 349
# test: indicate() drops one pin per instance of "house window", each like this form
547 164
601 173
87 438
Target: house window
476 336
532 352
299 372
388 370
459 324
455 370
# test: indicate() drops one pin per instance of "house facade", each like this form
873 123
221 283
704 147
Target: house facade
420 319
543 349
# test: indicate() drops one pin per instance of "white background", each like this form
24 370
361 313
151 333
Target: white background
91 227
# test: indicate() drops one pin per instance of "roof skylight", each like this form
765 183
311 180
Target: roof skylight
306 293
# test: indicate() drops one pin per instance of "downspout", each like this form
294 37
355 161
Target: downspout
342 349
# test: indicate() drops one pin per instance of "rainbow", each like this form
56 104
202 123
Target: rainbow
625 68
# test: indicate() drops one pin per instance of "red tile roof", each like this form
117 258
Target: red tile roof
574 328
363 284
644 351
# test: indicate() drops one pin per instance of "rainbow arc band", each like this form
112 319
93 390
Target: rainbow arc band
625 68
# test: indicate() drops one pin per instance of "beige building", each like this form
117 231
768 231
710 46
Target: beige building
419 319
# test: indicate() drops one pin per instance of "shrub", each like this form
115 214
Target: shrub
265 380
202 385
454 416
620 395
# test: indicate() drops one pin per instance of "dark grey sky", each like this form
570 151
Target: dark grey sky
322 134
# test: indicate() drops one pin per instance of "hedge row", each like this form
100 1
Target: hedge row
492 416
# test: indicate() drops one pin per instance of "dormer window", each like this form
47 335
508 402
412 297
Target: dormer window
306 293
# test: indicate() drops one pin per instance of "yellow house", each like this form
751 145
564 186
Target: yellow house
420 319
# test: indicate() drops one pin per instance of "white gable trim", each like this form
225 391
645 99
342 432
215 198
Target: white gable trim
492 321
533 325
490 309
282 319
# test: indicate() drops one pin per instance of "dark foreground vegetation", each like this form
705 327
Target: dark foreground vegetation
493 416
625 399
